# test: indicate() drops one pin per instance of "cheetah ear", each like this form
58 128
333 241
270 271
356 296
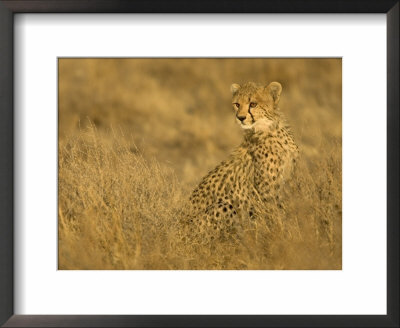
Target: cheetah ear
274 89
235 88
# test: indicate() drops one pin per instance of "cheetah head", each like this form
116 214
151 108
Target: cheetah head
256 106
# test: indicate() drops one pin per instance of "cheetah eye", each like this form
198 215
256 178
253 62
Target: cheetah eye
237 105
253 104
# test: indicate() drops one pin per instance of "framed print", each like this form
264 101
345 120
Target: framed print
218 164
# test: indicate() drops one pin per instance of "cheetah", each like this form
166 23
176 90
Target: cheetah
253 174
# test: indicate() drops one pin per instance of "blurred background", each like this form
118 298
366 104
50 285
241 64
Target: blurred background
137 135
179 110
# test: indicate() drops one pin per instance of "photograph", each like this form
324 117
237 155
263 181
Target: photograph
199 163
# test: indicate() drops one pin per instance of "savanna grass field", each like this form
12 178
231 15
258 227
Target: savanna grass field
137 135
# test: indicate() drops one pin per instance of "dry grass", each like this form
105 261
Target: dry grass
137 135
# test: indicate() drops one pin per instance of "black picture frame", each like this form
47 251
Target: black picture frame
7 11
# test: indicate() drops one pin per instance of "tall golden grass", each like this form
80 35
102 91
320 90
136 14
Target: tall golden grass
137 135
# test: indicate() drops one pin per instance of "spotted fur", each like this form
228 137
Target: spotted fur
254 173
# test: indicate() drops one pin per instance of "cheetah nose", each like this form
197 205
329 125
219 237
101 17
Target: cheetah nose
241 118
